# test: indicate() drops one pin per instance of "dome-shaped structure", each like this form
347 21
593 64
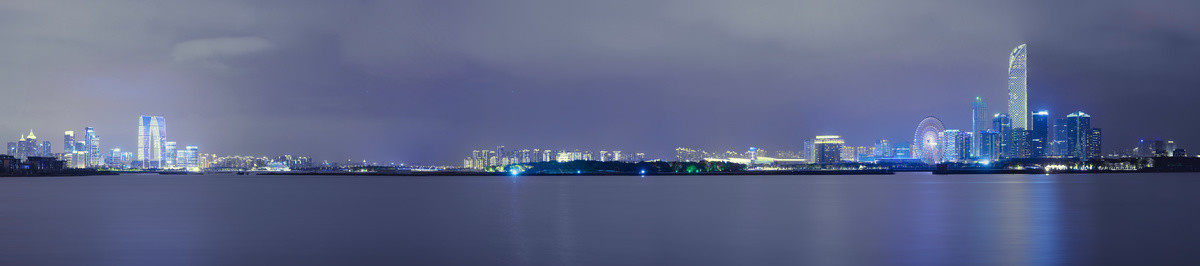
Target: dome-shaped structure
927 139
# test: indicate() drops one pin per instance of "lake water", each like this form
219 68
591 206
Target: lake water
902 219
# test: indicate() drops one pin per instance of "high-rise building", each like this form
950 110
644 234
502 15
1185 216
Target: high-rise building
1171 148
28 146
69 142
883 149
191 160
1079 127
1093 144
152 131
979 123
950 139
828 149
989 145
169 154
1002 124
810 150
1060 138
1017 94
91 143
72 155
1039 130
1020 147
849 153
902 150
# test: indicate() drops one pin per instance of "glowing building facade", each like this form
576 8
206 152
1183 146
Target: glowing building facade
152 132
828 149
1017 94
979 122
91 144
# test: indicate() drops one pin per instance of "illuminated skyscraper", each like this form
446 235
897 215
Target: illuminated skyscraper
828 149
950 138
1060 138
1079 129
170 154
91 143
1003 125
883 149
1017 94
152 132
69 142
989 145
979 123
1039 138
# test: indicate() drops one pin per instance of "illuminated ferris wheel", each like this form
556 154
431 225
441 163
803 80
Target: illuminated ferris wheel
927 139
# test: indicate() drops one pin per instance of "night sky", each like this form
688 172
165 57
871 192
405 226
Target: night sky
428 81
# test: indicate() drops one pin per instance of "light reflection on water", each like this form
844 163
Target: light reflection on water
903 219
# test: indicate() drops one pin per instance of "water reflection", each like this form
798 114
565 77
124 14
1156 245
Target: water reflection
906 219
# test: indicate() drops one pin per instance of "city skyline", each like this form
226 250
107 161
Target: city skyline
286 83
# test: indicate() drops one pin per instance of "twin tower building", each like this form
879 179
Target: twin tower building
1012 135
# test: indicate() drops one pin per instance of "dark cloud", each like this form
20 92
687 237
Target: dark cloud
426 81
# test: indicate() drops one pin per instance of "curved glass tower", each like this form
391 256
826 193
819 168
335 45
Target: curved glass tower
1017 99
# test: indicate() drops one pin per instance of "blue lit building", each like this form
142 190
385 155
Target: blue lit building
1017 93
152 132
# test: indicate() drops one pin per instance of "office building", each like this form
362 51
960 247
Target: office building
828 149
1017 94
979 122
1079 129
902 150
989 145
1039 134
1002 124
950 140
152 132
1060 138
883 149
169 154
91 143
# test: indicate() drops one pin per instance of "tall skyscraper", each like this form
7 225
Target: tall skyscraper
1017 94
69 142
1003 126
91 143
1093 144
1039 129
1079 127
1019 146
828 149
152 132
170 154
810 150
978 123
1060 138
989 148
951 148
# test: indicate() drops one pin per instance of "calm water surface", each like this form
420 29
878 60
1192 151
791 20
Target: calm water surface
903 219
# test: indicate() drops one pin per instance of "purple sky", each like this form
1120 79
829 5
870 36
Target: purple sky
427 81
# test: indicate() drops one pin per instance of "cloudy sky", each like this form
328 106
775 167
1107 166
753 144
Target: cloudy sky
427 81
